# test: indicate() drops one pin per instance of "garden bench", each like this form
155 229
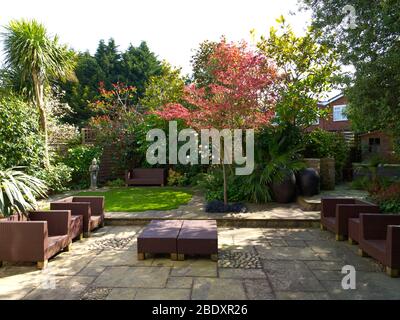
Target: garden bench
179 238
146 176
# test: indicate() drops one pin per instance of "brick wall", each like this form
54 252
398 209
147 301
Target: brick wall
328 123
385 149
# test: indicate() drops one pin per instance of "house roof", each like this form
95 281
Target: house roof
371 132
325 103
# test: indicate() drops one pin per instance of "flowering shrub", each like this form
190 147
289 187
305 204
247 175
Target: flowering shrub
387 197
121 123
112 102
175 178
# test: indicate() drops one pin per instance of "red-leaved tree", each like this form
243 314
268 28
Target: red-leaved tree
241 96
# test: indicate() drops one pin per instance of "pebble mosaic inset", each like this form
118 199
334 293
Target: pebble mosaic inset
96 294
110 244
243 260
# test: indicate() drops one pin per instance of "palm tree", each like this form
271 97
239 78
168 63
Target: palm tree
37 59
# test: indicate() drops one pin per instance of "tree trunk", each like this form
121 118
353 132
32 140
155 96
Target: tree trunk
222 155
39 99
225 185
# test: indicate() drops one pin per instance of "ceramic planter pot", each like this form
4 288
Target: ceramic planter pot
285 191
308 182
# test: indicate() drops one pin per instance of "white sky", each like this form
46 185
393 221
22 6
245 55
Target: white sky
172 28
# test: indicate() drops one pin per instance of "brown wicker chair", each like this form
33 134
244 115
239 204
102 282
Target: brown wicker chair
76 225
36 240
336 212
380 239
90 208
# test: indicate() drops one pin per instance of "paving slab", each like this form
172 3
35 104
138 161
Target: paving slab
241 273
293 276
163 294
287 295
113 258
122 294
195 268
179 282
218 289
325 265
60 288
133 277
258 289
91 271
286 253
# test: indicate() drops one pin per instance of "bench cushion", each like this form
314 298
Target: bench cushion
198 237
159 236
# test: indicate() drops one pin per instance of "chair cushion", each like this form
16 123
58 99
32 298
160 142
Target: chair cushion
329 223
56 244
376 249
76 226
95 222
354 229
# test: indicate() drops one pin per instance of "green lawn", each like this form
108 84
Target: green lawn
134 199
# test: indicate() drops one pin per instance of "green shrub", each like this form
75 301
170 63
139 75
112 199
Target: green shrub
21 143
321 144
79 159
366 183
115 183
361 183
57 177
234 194
211 184
275 152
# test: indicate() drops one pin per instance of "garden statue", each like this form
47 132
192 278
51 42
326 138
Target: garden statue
94 170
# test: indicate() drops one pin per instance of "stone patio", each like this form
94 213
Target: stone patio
274 264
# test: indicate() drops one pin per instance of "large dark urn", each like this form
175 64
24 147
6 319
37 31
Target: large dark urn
308 182
285 190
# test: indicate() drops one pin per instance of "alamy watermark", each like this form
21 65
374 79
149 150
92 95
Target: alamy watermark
47 280
207 148
349 21
349 280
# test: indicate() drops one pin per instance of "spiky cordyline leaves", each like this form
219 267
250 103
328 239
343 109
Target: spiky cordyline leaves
18 191
30 50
